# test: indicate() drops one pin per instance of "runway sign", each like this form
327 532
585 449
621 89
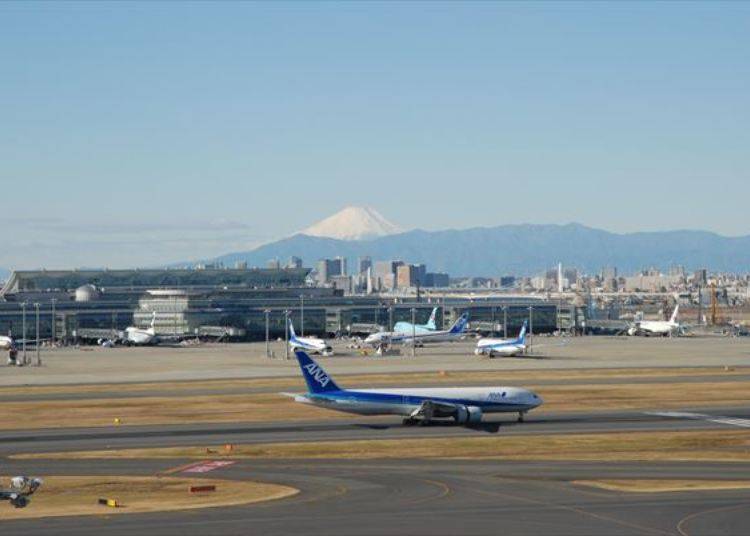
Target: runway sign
206 466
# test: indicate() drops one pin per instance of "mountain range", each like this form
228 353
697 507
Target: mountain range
519 249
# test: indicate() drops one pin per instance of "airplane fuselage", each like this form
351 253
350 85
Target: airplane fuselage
406 401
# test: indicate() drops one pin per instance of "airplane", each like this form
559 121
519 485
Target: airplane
139 336
308 344
408 328
503 347
466 405
21 488
391 337
656 327
6 343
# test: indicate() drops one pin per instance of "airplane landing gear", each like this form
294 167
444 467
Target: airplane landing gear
520 416
408 421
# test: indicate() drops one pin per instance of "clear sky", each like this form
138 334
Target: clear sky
139 133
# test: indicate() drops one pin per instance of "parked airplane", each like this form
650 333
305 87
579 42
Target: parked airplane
140 336
6 343
503 347
308 344
21 488
408 328
391 337
466 405
656 327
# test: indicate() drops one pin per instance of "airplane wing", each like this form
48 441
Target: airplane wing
432 408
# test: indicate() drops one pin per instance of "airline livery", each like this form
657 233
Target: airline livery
312 345
466 405
503 347
392 337
408 328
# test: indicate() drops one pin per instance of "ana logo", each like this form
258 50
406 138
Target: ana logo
316 372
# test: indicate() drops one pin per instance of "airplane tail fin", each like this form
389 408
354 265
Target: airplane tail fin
674 313
431 322
522 335
317 380
292 334
153 320
460 324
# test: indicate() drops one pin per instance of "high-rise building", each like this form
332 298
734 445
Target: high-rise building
329 268
385 273
294 262
363 264
274 264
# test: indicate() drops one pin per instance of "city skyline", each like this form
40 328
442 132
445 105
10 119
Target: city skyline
144 134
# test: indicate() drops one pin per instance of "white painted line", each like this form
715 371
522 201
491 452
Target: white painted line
731 421
205 467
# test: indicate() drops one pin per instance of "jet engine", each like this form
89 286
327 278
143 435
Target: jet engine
468 415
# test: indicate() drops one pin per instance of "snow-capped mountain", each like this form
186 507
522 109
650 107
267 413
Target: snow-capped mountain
353 223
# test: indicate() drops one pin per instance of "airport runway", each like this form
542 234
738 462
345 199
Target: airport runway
538 422
426 497
404 496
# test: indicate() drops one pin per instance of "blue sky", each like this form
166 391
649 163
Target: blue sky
137 133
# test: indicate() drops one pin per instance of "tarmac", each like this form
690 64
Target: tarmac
93 364
406 496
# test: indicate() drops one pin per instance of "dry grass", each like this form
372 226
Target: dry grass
502 377
661 486
272 407
708 445
78 495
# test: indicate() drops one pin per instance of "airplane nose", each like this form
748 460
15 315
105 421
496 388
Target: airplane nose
536 400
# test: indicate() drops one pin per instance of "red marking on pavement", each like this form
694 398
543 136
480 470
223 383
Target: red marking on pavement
206 466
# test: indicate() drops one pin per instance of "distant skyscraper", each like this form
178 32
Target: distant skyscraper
364 264
294 262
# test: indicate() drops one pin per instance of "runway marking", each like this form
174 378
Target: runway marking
445 490
207 466
731 421
574 509
690 517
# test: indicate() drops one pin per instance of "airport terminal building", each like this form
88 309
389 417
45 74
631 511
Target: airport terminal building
233 304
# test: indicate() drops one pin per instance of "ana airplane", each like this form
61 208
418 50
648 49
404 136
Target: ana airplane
407 327
503 347
308 344
466 405
392 337
656 327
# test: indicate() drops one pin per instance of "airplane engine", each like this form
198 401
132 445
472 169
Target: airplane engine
468 415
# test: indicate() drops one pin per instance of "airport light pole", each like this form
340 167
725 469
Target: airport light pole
505 321
268 350
286 334
23 330
302 314
54 327
413 333
493 321
390 318
38 350
531 327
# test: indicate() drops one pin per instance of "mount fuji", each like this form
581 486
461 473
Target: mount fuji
353 223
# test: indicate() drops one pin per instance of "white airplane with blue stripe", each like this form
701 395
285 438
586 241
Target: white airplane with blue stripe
503 347
312 345
409 328
456 332
466 405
